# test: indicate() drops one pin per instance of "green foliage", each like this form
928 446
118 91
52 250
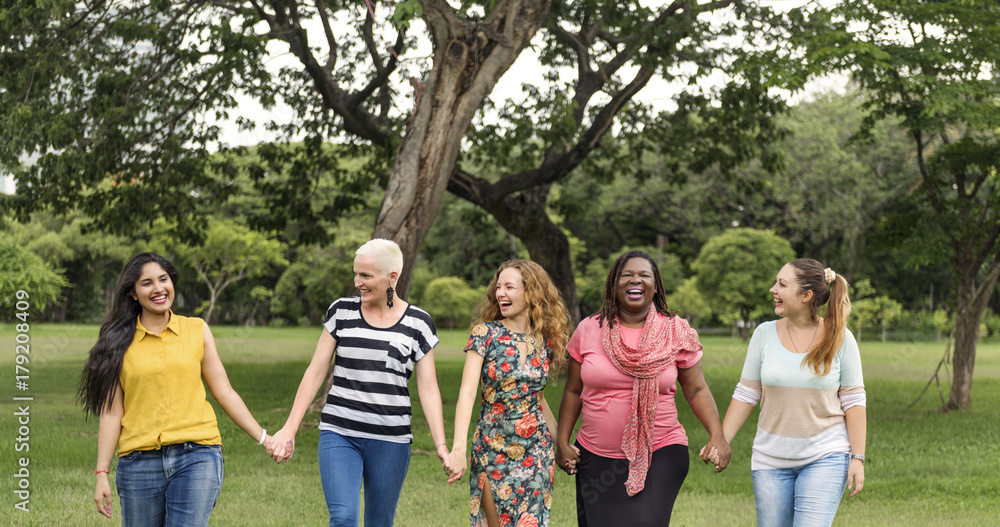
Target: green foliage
933 66
112 104
450 301
230 253
689 303
465 241
318 277
23 270
90 260
878 309
735 270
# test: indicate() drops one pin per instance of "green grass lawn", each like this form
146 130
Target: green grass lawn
924 467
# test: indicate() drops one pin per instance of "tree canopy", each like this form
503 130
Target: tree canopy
934 67
117 105
736 268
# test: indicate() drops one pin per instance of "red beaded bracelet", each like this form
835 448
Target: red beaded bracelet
105 470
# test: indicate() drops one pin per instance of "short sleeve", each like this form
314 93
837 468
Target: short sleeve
852 381
751 365
685 338
584 330
479 339
330 319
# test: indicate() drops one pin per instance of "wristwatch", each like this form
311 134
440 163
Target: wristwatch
858 456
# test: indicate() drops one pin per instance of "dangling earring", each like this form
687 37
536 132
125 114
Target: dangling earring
388 294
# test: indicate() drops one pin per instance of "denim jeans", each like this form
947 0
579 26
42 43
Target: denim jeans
347 462
806 496
176 486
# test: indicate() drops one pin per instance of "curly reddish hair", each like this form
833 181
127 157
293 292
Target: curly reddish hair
547 313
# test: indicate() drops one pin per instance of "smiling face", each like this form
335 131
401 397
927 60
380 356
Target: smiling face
510 293
788 300
154 289
370 281
636 286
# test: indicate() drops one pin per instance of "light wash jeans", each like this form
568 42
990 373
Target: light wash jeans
347 462
176 486
806 496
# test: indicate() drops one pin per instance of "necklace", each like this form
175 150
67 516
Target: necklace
809 347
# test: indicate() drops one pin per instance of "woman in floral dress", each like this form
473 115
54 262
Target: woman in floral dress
521 329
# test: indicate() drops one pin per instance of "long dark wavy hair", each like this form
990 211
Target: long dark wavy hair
104 365
609 306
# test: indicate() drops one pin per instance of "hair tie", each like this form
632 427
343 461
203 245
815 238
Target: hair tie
829 275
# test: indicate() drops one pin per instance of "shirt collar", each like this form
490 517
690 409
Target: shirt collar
174 325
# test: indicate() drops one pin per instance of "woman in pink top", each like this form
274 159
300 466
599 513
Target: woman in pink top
631 455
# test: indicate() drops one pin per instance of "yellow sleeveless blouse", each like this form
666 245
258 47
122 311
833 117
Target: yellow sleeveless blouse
165 400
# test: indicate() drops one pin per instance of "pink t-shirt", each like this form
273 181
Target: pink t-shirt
607 392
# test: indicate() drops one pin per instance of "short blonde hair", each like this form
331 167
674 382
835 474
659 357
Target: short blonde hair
386 253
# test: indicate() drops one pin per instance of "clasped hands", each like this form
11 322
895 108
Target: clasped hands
716 452
280 446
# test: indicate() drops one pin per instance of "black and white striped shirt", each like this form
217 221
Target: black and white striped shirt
369 397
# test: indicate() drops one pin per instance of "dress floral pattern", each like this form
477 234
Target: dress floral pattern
511 447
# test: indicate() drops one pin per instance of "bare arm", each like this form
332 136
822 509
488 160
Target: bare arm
458 458
567 457
699 396
284 439
430 401
108 432
736 416
550 419
857 432
215 377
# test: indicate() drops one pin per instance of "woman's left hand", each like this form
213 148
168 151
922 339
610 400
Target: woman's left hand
855 476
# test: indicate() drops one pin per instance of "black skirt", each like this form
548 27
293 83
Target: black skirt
601 499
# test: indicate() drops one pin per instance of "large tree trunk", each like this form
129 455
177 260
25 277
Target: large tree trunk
469 59
524 216
972 301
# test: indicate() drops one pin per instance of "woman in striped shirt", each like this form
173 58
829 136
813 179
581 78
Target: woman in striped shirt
379 341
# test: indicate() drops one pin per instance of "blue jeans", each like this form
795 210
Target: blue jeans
806 496
347 462
174 486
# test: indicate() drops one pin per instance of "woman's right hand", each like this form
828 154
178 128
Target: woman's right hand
567 457
282 445
102 495
456 464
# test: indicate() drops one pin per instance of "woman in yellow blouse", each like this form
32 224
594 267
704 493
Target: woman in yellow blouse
143 379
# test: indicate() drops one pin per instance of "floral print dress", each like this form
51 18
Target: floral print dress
511 447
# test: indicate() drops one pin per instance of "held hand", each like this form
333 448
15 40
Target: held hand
282 445
717 452
456 465
444 456
568 457
855 476
102 495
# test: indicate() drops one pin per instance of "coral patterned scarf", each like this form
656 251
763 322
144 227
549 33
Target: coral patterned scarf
655 353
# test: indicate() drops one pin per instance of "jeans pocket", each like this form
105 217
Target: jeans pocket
196 447
131 456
